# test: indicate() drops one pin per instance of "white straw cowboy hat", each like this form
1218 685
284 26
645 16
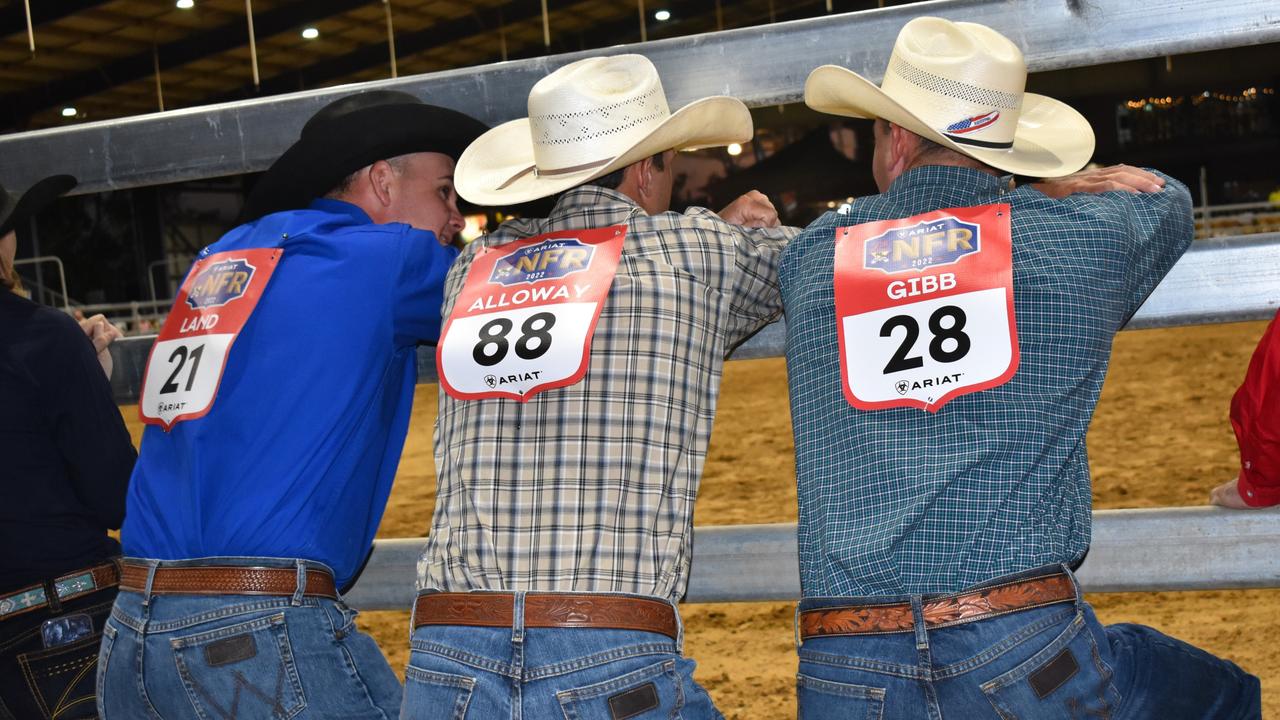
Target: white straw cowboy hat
961 85
586 120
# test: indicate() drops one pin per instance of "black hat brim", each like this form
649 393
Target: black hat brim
32 202
319 161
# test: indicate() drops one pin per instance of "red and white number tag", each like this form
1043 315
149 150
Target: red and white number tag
212 307
525 316
924 307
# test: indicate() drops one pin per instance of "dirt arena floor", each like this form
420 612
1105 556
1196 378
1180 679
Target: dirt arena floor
1160 438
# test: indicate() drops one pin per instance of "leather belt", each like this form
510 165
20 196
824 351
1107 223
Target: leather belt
547 610
68 587
938 611
225 580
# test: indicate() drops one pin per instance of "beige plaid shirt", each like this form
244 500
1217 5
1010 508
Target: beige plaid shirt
590 488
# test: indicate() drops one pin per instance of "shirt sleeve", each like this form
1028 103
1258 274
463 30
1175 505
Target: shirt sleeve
88 428
1255 418
419 289
755 297
1160 231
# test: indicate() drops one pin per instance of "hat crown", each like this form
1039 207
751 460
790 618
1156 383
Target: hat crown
581 113
965 80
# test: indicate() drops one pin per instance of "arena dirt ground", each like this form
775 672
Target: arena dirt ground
1160 438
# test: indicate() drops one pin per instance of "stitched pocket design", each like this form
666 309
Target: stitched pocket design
830 700
241 672
441 695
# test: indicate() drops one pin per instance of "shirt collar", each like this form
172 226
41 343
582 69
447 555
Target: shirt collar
341 207
609 207
948 183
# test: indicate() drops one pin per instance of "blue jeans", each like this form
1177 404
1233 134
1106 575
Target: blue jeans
1044 663
219 657
480 673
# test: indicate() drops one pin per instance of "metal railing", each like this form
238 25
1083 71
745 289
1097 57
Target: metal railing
763 65
1218 281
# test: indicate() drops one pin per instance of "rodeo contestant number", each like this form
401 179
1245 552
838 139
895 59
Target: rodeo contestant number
937 346
181 355
533 343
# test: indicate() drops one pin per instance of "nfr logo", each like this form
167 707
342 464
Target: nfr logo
923 245
548 260
220 283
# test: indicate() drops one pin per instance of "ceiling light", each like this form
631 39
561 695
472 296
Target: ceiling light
734 149
186 4
662 15
68 112
310 33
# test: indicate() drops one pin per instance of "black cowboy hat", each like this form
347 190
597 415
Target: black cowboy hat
350 133
16 209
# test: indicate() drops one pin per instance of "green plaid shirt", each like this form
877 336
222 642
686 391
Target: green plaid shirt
591 487
902 501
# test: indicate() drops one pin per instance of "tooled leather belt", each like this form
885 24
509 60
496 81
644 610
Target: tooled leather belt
938 611
225 580
546 610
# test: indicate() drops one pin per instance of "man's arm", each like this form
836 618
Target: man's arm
419 288
89 431
758 241
1255 418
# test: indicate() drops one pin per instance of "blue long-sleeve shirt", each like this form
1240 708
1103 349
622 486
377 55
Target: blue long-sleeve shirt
903 501
296 457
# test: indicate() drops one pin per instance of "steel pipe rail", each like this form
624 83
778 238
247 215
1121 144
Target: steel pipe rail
762 65
1219 280
1195 548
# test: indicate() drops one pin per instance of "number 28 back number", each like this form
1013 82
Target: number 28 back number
533 342
955 331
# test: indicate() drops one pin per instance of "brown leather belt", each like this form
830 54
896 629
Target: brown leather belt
547 610
225 580
939 611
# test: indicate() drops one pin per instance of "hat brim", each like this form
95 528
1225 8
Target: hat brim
32 202
498 168
1052 139
317 162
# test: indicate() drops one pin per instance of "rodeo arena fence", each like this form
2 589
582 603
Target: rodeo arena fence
1218 280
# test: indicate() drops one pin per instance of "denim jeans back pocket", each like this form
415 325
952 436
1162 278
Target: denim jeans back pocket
649 693
435 694
63 679
244 671
1066 679
829 700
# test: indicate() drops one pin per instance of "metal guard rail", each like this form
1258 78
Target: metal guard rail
763 65
1218 280
1195 548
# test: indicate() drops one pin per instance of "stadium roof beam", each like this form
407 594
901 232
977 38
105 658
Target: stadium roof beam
15 17
20 105
763 65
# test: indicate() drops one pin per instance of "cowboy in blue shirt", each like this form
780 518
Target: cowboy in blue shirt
947 342
279 394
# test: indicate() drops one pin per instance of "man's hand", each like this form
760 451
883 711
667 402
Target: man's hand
102 333
751 210
1227 495
1124 178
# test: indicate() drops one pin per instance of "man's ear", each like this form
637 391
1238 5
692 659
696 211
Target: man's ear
381 179
902 149
644 177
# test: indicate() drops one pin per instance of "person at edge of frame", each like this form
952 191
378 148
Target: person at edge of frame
947 341
1255 418
572 430
67 458
260 485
